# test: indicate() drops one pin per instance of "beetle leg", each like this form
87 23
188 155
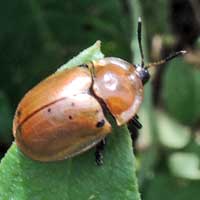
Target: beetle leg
136 116
99 152
134 125
135 122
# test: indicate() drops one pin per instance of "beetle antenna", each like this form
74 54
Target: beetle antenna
139 34
168 58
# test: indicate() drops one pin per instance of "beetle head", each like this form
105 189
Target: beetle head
143 73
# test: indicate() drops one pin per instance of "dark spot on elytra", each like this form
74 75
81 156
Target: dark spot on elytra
19 113
73 104
100 123
49 110
70 117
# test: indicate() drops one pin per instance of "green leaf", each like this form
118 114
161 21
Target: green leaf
91 53
171 134
185 165
78 178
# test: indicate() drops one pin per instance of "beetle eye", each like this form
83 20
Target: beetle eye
145 76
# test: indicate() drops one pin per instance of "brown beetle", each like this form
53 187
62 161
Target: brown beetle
63 115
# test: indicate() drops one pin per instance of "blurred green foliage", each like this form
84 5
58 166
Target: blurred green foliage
38 36
167 187
6 119
156 17
181 91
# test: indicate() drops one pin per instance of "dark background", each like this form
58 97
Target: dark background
36 37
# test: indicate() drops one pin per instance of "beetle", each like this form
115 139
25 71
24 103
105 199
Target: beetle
64 115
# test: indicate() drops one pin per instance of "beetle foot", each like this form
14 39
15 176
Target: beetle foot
99 152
